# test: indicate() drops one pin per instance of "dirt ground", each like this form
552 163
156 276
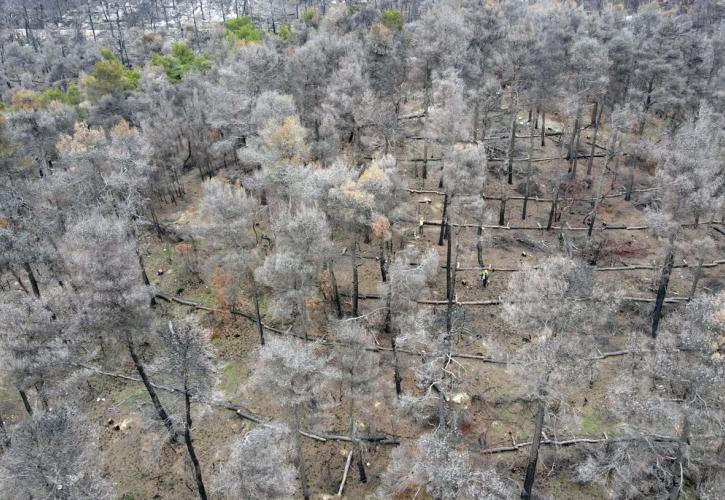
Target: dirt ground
143 467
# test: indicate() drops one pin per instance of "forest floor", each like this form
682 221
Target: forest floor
143 467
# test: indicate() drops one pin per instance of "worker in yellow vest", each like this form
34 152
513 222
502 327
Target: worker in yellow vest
484 277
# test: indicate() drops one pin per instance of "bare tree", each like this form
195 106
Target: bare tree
690 174
53 455
227 224
464 170
302 246
113 303
351 208
34 353
670 394
438 464
359 378
188 361
405 286
554 303
383 181
291 374
259 465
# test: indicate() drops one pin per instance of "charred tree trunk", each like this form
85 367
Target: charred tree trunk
574 135
555 200
443 219
449 288
681 458
396 368
26 402
552 210
596 113
41 395
160 411
663 283
255 294
596 123
383 269
335 290
387 328
355 282
144 275
299 458
529 172
534 452
190 446
425 159
630 184
502 209
510 151
600 184
645 107
427 88
575 158
543 127
31 278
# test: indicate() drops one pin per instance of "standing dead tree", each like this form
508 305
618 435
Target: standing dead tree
547 302
438 464
113 304
227 225
691 175
670 392
53 455
291 373
188 361
302 247
34 352
359 374
259 465
406 285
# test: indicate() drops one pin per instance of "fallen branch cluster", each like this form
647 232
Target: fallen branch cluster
478 357
247 415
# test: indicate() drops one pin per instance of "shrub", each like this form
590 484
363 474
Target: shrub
392 19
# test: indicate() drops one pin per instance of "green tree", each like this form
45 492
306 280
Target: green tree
110 76
285 32
242 29
71 96
392 19
180 61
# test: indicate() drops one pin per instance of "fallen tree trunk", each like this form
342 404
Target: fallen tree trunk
499 301
536 198
608 227
569 442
